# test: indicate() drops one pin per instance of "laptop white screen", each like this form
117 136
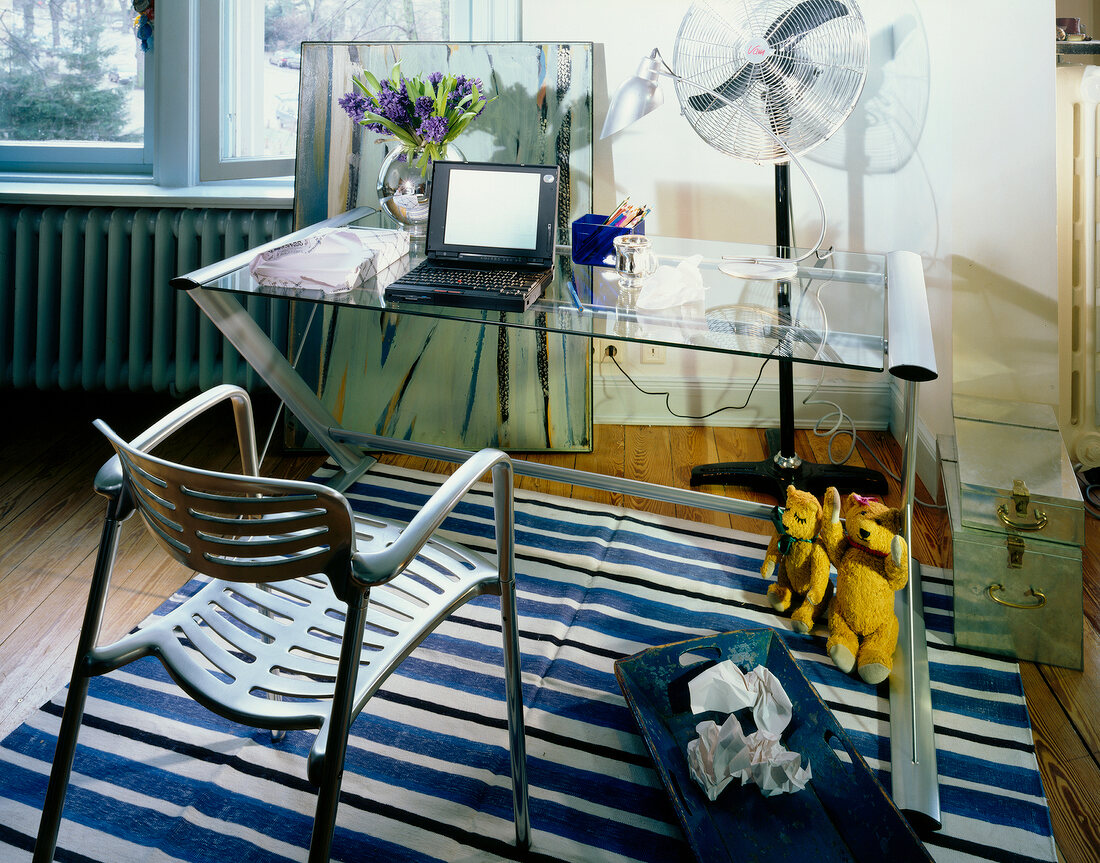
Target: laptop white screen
497 209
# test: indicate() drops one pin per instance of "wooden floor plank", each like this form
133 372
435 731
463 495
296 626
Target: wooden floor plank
1071 777
545 486
648 451
1079 693
608 457
690 446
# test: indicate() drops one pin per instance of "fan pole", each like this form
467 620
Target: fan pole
784 466
786 456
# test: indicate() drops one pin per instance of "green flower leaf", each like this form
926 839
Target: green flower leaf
372 82
400 134
441 93
460 125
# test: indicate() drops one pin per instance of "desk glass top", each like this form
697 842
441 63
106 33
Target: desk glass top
837 303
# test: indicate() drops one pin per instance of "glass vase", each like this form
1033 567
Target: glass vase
404 191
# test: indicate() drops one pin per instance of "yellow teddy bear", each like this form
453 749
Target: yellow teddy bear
872 562
803 566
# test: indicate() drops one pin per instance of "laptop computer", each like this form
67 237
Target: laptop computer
490 241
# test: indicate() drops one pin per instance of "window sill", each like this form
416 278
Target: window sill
274 193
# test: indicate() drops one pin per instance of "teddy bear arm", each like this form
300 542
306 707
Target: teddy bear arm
771 558
832 540
819 574
896 566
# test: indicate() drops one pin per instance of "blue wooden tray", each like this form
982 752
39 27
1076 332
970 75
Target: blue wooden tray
843 814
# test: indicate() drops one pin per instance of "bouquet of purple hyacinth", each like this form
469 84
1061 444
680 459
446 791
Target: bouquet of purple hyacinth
424 116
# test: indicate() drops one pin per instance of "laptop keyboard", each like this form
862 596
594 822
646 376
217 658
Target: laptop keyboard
516 282
469 287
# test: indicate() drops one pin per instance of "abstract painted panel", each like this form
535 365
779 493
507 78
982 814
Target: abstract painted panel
435 381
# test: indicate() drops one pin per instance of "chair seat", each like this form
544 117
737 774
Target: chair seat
266 654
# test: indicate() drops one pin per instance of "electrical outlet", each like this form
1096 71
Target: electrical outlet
600 346
653 353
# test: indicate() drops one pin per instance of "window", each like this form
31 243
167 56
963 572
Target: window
72 92
216 98
259 44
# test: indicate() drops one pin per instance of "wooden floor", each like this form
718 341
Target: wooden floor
50 522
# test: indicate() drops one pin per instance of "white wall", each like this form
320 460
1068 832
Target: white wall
976 197
1003 248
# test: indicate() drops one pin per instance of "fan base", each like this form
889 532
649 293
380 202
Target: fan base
772 477
770 269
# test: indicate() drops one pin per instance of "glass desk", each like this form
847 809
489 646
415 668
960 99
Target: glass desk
838 316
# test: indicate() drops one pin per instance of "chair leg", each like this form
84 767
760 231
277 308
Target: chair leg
343 706
64 752
517 739
513 683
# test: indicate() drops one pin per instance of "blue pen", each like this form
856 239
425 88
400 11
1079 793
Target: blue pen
572 285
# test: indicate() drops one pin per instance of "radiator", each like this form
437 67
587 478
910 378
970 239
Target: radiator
85 301
1078 162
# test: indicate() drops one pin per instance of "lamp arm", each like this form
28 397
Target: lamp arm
666 71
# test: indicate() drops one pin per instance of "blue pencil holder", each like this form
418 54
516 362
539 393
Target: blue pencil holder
592 240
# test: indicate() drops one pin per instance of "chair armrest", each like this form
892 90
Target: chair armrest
108 481
379 567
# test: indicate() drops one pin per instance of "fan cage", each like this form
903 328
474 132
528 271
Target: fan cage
802 91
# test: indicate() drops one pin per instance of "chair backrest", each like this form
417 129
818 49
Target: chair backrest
239 528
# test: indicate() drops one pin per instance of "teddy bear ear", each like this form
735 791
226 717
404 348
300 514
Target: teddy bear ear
890 519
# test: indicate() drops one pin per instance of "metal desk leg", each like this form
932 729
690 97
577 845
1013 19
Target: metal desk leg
913 775
230 317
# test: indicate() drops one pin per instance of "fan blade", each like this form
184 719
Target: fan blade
778 119
733 88
800 20
796 80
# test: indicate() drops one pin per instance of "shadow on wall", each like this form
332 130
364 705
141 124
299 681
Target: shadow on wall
881 137
1005 338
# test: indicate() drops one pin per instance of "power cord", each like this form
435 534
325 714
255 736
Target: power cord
611 352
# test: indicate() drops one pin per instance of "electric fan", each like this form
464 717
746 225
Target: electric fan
765 82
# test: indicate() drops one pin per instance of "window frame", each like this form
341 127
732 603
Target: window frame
182 140
89 158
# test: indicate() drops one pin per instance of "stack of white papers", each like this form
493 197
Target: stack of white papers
331 259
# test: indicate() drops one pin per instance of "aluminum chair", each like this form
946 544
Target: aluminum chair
288 561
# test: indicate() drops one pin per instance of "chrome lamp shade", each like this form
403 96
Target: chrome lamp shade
636 96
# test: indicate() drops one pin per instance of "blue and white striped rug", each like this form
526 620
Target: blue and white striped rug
159 778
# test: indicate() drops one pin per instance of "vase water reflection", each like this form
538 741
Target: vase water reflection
404 189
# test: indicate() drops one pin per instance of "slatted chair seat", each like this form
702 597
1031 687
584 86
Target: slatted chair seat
308 609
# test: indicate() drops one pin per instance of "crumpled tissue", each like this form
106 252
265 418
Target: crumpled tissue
673 286
723 753
332 259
